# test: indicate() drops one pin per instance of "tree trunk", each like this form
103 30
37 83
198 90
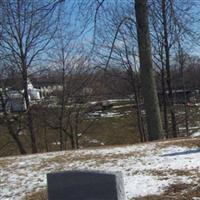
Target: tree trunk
169 82
61 130
29 114
154 124
16 139
45 139
76 141
73 145
139 115
164 102
181 62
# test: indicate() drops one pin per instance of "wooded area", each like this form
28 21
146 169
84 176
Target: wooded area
75 74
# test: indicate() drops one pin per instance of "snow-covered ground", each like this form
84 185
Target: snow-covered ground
196 134
148 169
104 114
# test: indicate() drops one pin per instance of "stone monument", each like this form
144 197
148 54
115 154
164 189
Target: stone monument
85 185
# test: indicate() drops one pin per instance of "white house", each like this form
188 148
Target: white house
15 101
34 94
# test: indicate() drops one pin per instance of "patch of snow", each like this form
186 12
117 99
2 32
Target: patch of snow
122 106
194 127
94 141
23 132
79 134
149 185
56 143
196 198
105 114
196 134
92 102
190 128
118 100
181 113
111 114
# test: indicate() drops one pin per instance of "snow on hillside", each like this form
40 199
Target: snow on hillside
148 169
196 134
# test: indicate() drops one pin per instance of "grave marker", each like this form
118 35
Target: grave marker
85 185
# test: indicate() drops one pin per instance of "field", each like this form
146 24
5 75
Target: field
115 126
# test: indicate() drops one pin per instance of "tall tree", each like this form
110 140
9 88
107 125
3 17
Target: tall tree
149 92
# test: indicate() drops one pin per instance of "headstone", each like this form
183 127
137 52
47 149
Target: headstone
85 185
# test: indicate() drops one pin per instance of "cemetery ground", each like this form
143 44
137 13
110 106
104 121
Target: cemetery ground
157 170
168 170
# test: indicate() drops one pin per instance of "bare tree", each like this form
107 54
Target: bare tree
182 60
71 110
167 57
27 31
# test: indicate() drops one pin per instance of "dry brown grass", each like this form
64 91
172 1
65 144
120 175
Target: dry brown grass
4 163
182 142
39 195
179 191
162 173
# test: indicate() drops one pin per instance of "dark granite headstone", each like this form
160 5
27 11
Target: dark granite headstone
85 185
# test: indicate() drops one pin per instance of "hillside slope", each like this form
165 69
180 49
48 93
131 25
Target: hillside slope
160 170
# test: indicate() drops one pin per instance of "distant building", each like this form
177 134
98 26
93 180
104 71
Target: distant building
15 101
34 94
46 88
